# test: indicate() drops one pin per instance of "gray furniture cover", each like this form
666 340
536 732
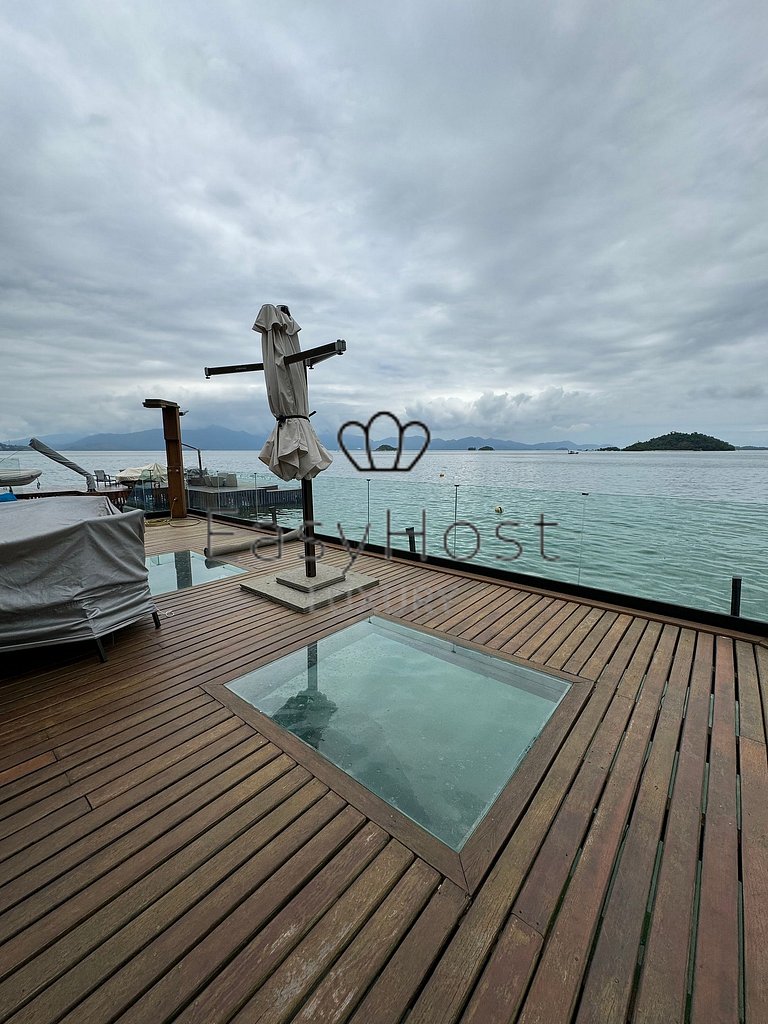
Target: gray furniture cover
71 568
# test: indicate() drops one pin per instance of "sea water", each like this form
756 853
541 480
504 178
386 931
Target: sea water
672 526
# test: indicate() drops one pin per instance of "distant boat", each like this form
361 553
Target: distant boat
573 452
18 477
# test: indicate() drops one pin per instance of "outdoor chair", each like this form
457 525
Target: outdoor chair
104 479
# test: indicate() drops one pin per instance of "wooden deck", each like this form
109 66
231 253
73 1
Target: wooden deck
161 859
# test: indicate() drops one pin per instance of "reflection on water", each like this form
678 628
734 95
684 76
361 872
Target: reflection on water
178 570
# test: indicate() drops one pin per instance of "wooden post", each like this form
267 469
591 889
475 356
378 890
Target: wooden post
736 595
177 497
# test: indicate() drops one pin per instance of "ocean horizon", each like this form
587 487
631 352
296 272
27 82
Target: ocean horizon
672 526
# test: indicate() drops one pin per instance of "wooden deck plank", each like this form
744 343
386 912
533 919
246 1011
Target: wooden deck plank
14 754
555 986
189 772
136 892
81 727
270 946
523 614
716 969
541 644
116 777
602 653
754 858
611 974
94 740
590 643
489 634
470 597
761 661
663 983
26 842
285 990
554 642
23 770
548 618
573 638
342 987
505 603
150 943
121 894
394 989
453 979
751 722
287 867
543 887
105 872
510 966
501 988
500 602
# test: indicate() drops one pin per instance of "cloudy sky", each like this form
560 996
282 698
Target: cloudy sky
528 220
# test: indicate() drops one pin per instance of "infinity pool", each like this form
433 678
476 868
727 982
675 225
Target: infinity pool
433 727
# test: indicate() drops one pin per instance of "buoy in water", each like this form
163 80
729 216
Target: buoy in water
441 474
498 509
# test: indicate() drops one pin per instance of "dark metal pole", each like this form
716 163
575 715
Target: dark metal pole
411 531
736 595
308 512
455 516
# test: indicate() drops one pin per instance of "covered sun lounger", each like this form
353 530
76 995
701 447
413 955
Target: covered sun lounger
71 568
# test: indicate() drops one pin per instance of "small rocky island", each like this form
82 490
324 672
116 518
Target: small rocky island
678 442
386 448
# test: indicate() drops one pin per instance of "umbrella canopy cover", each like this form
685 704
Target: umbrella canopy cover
293 450
152 471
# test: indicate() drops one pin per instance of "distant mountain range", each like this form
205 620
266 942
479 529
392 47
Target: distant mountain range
215 438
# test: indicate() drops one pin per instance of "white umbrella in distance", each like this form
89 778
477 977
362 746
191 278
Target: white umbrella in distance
293 450
152 471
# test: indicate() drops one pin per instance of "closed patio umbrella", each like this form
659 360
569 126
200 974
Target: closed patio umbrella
293 450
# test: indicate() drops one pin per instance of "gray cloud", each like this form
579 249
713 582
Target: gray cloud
528 218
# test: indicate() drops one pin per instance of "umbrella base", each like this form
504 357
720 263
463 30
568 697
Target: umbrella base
327 576
307 600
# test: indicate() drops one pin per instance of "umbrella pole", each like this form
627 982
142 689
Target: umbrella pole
308 512
312 667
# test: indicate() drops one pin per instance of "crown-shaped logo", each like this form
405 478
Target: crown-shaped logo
366 428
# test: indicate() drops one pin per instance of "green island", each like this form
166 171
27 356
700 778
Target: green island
486 448
386 448
679 442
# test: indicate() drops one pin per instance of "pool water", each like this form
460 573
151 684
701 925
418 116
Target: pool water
177 570
433 727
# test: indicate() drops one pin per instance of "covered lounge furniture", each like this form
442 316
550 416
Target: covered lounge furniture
71 569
